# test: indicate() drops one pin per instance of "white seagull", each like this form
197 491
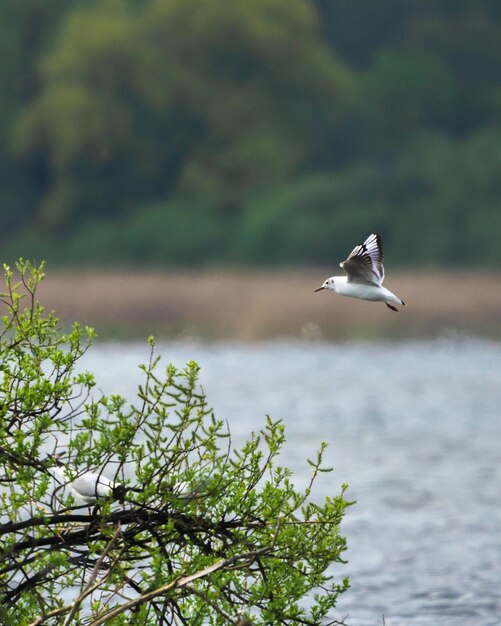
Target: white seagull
365 275
89 486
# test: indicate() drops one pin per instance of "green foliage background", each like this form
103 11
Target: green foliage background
203 531
265 132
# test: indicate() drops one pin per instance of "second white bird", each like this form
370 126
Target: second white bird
89 486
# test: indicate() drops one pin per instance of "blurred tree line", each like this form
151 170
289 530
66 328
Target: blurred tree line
263 132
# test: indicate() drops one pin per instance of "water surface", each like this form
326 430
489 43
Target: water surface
414 428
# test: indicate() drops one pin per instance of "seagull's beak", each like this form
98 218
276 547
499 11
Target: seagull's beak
319 289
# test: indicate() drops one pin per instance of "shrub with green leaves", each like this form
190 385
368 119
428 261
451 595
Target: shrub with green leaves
198 533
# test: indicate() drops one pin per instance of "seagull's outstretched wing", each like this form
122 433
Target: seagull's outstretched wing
365 262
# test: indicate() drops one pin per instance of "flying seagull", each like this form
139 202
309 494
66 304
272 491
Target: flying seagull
365 275
89 486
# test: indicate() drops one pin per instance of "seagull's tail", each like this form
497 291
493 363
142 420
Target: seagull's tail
396 300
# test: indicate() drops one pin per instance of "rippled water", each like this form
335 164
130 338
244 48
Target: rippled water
413 428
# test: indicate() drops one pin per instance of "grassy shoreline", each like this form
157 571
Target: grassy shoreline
252 305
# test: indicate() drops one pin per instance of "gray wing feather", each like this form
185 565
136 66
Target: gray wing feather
91 484
365 262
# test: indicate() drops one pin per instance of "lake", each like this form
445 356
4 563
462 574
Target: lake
414 428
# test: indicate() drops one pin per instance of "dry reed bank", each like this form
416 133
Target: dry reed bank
256 305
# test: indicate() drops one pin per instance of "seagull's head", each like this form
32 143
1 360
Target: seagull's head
328 284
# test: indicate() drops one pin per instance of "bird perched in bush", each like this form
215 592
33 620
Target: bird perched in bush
88 486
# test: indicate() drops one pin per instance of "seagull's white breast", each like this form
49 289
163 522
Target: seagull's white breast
360 290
